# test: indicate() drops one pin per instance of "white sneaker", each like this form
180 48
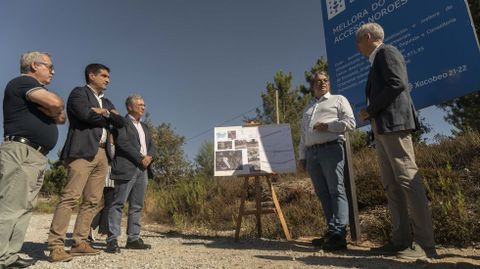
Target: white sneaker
92 235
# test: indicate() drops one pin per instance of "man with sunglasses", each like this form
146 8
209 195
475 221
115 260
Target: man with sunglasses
30 115
321 152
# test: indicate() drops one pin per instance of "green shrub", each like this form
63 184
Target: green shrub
55 179
451 217
370 192
46 205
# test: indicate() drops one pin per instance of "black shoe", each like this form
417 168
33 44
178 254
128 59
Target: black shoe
22 263
334 243
389 249
431 252
138 244
112 247
318 242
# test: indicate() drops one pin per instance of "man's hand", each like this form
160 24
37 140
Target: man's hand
320 126
59 118
47 112
363 115
302 164
102 111
146 161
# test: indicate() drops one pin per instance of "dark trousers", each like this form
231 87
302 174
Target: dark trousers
101 219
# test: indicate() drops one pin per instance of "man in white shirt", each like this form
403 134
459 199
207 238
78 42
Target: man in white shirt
134 153
325 120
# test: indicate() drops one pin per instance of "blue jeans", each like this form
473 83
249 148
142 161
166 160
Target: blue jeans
325 164
134 191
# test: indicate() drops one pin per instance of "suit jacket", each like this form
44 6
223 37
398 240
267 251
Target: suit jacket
388 93
86 126
127 150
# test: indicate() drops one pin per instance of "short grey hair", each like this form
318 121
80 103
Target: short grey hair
317 73
321 73
29 57
131 99
372 28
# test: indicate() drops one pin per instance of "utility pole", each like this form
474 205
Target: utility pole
276 106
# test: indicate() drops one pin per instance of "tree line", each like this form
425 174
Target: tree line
171 165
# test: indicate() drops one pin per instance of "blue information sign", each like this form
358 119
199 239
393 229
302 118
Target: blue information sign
436 38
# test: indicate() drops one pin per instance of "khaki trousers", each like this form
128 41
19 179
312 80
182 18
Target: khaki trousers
407 200
87 178
21 178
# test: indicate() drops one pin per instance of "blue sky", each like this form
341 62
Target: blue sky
197 63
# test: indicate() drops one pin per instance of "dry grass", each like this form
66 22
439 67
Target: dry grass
450 169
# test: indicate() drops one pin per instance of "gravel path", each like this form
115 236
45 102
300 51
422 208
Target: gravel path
190 250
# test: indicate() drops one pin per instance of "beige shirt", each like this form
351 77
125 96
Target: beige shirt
335 110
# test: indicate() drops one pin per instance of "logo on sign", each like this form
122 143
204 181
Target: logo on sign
335 7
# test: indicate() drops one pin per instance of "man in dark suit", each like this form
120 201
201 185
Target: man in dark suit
392 115
134 150
91 117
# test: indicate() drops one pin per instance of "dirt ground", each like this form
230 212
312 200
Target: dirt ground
203 249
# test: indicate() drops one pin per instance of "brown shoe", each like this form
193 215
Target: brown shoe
59 255
83 248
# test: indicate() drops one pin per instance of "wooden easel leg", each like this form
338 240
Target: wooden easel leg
258 202
278 209
240 211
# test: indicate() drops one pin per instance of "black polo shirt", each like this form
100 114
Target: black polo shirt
21 117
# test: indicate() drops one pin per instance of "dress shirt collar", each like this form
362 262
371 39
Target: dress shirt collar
95 92
134 120
325 96
371 58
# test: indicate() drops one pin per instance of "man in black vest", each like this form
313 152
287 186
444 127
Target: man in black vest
30 115
392 115
91 118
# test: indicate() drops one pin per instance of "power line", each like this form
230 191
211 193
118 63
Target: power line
221 124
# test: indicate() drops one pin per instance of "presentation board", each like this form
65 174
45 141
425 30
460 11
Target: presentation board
250 150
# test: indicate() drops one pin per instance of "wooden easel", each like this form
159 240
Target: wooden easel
258 211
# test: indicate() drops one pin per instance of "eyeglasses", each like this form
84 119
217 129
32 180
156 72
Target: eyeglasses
49 66
321 81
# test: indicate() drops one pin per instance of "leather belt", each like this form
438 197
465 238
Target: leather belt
102 145
27 142
317 146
